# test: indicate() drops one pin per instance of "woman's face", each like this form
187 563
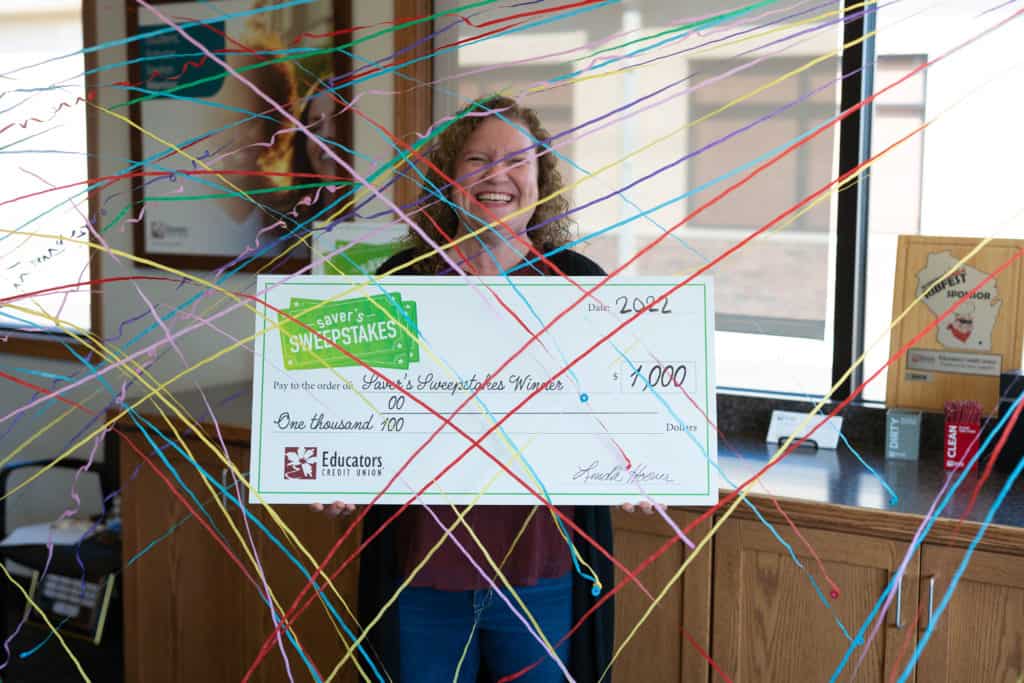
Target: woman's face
496 172
323 122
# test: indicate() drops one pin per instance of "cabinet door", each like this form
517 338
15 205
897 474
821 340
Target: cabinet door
660 651
770 624
181 596
980 636
314 629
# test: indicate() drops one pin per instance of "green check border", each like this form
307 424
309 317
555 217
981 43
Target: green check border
262 321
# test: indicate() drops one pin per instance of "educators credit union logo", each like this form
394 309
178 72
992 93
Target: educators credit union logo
300 463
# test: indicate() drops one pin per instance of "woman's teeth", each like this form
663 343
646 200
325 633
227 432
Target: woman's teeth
494 197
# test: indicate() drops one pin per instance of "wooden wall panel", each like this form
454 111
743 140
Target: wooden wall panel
414 103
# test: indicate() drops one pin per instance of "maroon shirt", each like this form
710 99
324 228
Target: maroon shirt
540 553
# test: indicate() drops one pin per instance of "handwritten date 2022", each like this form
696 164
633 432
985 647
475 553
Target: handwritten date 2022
627 305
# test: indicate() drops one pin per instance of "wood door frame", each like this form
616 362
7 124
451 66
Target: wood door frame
414 107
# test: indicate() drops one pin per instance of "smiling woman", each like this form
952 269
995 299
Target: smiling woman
492 167
489 186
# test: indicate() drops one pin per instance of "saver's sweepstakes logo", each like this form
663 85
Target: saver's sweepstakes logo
379 330
300 463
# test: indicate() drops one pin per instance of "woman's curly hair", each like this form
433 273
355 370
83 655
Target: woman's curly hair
444 155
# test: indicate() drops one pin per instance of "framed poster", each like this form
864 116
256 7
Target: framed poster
244 178
963 356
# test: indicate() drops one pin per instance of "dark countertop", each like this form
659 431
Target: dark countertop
826 476
838 477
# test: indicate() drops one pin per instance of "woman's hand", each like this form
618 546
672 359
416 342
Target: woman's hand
646 506
335 509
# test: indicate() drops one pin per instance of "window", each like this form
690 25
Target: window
757 295
744 88
773 299
42 148
959 177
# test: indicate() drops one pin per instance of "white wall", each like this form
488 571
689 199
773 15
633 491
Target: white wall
122 300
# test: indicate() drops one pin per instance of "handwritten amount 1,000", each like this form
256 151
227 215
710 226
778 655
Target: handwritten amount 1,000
658 376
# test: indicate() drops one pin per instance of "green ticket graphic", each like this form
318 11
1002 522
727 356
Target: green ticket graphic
404 314
379 330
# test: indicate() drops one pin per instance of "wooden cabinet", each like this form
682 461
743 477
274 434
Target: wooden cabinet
777 621
321 638
181 623
191 613
662 649
980 636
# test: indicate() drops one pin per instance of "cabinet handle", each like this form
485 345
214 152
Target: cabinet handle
931 599
225 483
899 604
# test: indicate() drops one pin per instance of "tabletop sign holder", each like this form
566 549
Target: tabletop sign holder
786 424
962 357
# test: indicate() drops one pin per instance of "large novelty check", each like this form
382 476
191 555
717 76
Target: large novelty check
433 386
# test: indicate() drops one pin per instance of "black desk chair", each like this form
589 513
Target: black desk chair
59 592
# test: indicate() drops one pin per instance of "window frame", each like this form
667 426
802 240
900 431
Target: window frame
850 292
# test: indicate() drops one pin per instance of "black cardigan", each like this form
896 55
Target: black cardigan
590 648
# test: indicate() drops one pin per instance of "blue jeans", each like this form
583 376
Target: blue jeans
436 626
